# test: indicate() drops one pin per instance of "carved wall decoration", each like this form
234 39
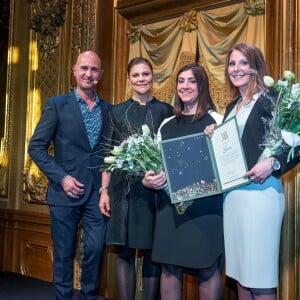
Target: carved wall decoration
45 18
254 7
83 28
35 183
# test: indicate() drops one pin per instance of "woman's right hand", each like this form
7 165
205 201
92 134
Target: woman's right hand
104 203
210 129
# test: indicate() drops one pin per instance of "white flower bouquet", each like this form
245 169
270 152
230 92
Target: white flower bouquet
284 128
136 155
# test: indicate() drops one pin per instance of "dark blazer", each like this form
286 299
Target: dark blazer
255 130
62 124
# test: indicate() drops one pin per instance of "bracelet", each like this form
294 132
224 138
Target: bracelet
102 188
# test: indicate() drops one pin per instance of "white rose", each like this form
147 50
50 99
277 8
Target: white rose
109 159
289 76
268 81
117 150
291 138
145 130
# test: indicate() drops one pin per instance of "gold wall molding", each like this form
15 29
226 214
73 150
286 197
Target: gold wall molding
142 12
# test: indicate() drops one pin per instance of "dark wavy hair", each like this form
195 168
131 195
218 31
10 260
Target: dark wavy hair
205 102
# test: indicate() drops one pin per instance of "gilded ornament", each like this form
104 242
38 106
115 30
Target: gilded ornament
45 19
254 7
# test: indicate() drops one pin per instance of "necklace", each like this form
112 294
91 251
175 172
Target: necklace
246 102
241 104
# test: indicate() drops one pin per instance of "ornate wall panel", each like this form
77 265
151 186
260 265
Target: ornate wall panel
34 254
27 239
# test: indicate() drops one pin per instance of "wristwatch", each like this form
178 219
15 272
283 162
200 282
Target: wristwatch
275 164
102 188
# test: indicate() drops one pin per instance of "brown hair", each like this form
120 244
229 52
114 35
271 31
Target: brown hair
136 61
257 63
205 102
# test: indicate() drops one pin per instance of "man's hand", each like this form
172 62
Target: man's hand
72 187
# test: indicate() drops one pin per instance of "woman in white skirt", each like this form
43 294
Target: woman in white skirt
253 213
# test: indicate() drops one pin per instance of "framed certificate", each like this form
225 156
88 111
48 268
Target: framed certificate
197 166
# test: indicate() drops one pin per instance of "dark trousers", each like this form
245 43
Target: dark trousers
64 222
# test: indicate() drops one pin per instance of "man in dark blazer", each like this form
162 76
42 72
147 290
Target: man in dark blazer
74 123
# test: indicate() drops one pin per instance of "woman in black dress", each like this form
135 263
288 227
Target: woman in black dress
192 241
131 206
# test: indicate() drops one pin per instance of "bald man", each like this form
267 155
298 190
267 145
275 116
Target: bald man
74 123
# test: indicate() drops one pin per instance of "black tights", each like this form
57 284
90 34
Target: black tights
209 282
126 274
253 293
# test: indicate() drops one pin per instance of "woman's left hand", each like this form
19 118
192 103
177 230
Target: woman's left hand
261 171
155 181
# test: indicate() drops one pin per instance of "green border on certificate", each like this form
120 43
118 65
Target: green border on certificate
197 166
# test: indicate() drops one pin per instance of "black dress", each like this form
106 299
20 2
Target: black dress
132 205
194 239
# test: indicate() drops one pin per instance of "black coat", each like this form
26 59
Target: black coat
255 130
132 205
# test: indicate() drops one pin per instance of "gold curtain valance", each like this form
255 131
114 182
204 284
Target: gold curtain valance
197 36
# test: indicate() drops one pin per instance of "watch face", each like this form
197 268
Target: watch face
275 165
